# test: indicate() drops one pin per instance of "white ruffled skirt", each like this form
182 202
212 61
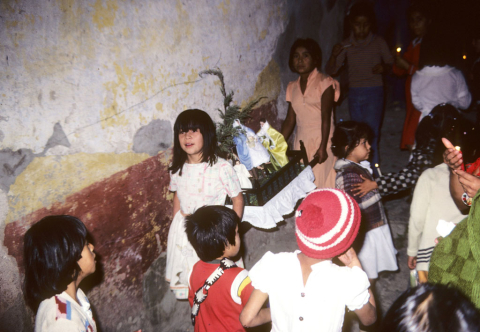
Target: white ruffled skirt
378 253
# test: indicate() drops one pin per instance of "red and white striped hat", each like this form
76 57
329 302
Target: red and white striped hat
326 223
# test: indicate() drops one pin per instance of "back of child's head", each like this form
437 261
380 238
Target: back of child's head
431 308
326 224
362 8
52 248
210 229
193 119
443 121
435 50
312 47
348 134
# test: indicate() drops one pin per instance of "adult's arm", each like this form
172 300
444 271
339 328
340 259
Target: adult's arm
326 109
289 123
253 314
454 160
336 60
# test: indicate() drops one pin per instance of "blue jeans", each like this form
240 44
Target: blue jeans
366 105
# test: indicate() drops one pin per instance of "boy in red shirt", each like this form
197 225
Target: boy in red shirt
218 289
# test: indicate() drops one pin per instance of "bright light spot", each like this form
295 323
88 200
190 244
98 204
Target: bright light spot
399 49
457 148
464 57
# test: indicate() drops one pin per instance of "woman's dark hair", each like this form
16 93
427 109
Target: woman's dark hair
52 248
312 47
444 121
348 134
210 229
362 8
194 119
431 308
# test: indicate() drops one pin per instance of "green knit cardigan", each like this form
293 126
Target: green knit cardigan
456 258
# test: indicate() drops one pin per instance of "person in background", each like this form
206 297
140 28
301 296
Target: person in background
436 82
427 153
368 58
310 106
407 64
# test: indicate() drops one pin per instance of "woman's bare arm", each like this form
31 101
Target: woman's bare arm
326 109
289 123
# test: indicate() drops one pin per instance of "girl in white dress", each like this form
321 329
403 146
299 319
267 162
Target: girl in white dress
198 177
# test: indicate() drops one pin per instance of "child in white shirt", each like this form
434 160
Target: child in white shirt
307 291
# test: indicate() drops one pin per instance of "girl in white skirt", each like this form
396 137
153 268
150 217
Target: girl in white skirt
350 143
198 177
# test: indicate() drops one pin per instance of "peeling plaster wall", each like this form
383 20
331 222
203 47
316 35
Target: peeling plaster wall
89 93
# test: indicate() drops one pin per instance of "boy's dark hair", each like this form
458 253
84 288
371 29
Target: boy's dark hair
362 8
435 50
445 121
348 134
210 229
431 308
194 119
424 7
52 248
312 47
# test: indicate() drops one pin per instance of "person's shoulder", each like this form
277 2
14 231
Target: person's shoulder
56 312
220 163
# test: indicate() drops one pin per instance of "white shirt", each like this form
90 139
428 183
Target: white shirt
317 306
435 85
61 313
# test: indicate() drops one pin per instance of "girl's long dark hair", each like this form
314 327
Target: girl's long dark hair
52 248
194 119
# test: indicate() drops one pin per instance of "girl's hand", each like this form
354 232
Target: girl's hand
452 157
378 69
401 62
337 49
321 154
469 182
350 259
361 189
412 262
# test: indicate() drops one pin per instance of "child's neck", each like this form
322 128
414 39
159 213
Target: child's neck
194 159
353 159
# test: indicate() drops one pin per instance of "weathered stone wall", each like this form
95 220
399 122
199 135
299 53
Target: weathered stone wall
89 93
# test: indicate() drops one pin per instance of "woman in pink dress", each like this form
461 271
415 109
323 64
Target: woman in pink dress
310 104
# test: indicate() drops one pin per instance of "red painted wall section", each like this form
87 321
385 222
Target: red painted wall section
128 216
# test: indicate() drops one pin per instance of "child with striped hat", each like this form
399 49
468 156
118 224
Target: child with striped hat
307 291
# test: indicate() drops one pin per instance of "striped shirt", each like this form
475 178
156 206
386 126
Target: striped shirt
361 57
